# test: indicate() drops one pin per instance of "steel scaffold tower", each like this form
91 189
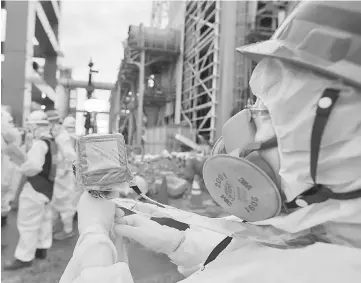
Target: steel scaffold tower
201 66
258 22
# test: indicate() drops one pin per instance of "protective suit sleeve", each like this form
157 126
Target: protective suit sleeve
116 273
66 149
36 159
9 133
97 268
194 250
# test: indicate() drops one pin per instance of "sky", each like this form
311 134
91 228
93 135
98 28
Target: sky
96 29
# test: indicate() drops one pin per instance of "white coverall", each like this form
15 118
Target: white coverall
34 214
64 185
8 168
241 261
281 86
77 191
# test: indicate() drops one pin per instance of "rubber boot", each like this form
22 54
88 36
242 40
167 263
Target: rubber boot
17 264
41 253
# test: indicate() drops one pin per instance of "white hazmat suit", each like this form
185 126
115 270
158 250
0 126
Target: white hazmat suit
69 125
9 135
64 186
34 214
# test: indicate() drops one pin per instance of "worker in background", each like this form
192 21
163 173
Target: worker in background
27 142
64 189
194 165
69 125
34 214
9 135
294 69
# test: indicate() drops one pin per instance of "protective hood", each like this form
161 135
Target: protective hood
291 95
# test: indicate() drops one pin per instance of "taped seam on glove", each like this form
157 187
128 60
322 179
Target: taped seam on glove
180 242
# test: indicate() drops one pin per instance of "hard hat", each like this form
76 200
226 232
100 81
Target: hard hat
53 115
69 122
320 36
37 117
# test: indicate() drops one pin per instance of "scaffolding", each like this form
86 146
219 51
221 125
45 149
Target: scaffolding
258 24
201 66
211 77
146 51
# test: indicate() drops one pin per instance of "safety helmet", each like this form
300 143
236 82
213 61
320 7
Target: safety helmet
38 124
320 36
37 117
53 116
69 122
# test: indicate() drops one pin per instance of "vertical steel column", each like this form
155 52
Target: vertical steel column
18 52
131 118
215 72
178 101
141 88
116 107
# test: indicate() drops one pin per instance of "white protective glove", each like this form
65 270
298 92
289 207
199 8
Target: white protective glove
64 143
149 233
93 211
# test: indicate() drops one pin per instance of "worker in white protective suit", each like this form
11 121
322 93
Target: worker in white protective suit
307 74
96 259
9 135
34 221
69 125
64 189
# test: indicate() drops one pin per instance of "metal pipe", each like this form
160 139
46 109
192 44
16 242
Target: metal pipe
141 89
69 83
84 84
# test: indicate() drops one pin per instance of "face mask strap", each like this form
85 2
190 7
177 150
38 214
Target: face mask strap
319 193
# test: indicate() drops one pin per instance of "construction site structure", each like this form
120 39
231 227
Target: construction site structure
145 84
31 31
32 75
205 72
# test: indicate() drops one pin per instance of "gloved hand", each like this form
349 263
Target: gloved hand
93 211
148 233
150 209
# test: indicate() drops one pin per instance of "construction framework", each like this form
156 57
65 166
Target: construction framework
201 66
259 21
